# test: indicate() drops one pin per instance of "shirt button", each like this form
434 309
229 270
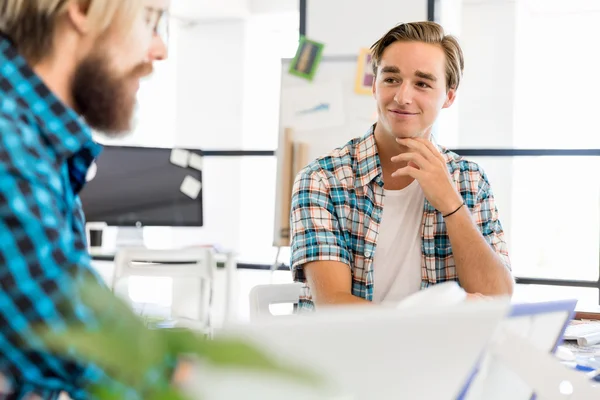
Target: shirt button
368 254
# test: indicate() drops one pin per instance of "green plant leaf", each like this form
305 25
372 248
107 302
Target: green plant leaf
127 350
231 352
169 393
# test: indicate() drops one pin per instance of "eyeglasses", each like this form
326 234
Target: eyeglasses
158 20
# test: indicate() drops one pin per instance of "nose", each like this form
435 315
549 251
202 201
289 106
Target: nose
158 49
403 94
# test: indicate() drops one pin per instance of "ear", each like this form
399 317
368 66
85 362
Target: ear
78 18
450 96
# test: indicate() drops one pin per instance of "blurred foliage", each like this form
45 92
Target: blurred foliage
145 359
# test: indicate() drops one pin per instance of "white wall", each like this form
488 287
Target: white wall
210 9
273 6
209 116
487 93
227 98
346 26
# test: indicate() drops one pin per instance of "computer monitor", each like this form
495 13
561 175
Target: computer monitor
139 186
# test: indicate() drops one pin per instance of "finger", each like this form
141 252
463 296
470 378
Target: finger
476 296
416 158
419 147
408 171
433 148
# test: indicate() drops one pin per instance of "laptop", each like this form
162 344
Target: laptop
543 325
364 352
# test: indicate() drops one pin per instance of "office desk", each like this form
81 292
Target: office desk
226 263
592 313
232 288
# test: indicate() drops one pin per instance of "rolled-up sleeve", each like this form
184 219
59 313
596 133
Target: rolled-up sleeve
315 230
486 216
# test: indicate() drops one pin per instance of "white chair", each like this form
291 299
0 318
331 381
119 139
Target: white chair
262 296
192 298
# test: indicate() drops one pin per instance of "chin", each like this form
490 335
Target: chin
408 135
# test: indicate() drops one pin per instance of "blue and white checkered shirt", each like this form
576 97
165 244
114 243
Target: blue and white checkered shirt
45 152
337 205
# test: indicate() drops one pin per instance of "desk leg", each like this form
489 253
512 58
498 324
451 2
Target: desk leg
230 271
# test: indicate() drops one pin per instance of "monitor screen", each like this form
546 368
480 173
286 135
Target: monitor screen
139 186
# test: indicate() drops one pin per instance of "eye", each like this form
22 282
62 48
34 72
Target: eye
423 85
390 80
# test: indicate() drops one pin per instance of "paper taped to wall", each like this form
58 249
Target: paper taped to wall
195 161
313 107
191 187
180 157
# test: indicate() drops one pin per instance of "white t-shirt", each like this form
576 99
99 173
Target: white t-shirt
397 260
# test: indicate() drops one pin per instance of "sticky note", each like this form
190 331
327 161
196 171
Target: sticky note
191 187
195 161
180 157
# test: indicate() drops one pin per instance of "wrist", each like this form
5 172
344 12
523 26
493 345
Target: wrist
454 210
453 204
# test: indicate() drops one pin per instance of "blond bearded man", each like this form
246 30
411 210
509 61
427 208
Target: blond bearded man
66 66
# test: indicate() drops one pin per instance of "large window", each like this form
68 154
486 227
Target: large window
550 209
527 86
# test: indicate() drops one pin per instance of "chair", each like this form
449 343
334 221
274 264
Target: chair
198 263
262 296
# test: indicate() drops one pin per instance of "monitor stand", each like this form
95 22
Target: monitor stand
131 236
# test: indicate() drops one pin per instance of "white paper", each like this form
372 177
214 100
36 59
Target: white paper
191 187
195 161
319 105
180 157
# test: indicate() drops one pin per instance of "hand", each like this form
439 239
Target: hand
476 296
428 167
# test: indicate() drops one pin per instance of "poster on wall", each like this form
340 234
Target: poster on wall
364 73
306 61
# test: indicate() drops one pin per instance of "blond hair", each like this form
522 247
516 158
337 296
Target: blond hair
31 24
425 32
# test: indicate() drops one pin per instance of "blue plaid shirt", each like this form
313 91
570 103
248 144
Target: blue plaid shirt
337 205
45 152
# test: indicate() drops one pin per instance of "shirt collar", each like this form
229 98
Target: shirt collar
368 165
66 131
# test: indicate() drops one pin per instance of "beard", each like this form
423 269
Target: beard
105 99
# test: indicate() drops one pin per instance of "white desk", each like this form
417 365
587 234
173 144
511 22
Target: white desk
223 294
231 289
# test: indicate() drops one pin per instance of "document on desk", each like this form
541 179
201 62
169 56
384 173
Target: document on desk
585 334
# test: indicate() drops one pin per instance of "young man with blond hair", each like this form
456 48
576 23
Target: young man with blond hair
391 213
66 66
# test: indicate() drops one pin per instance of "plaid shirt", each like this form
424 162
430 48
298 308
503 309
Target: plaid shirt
337 204
44 156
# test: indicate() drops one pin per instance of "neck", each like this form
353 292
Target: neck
57 75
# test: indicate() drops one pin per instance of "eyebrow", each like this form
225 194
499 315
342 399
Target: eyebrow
426 75
390 70
420 74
